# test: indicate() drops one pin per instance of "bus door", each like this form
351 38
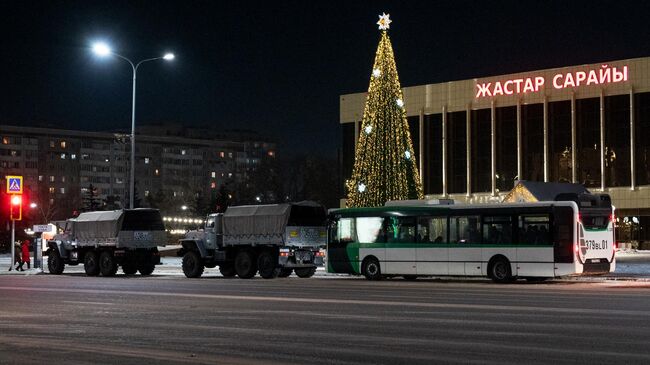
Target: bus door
465 252
432 252
534 245
400 246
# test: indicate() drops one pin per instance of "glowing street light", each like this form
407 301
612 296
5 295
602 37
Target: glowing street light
103 50
33 205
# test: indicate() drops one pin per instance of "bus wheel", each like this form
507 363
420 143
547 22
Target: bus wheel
306 272
91 266
192 265
55 263
245 264
500 270
107 265
267 263
285 273
410 277
371 269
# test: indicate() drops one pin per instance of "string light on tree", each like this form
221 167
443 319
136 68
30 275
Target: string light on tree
384 164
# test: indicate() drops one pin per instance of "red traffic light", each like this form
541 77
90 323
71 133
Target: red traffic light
16 208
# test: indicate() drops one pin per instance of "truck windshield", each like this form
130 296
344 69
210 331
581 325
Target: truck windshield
142 220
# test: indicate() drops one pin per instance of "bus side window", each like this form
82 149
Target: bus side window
497 230
464 229
432 229
534 229
400 229
345 230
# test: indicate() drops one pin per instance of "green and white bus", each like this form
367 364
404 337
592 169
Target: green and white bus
501 241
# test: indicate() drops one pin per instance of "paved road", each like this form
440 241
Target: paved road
75 319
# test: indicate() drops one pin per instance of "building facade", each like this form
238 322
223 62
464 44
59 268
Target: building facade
475 138
59 166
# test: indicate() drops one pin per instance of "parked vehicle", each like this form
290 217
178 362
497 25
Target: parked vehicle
273 240
104 240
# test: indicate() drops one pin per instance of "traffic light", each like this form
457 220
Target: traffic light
16 207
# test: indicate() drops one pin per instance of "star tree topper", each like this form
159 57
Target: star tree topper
384 21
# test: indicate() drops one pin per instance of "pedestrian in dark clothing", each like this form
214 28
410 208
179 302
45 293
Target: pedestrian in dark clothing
17 257
25 248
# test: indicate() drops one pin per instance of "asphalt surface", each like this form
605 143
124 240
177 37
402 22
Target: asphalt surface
74 319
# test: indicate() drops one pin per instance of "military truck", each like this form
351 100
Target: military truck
274 240
104 240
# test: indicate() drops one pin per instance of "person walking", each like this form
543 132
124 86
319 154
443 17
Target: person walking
17 257
25 249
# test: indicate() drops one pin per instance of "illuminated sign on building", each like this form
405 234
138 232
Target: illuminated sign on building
604 75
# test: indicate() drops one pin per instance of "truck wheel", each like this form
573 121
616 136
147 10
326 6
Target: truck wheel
245 264
129 268
192 265
227 270
55 263
267 263
91 266
146 268
305 272
107 265
285 273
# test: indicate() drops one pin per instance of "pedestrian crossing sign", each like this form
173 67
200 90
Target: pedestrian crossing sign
14 184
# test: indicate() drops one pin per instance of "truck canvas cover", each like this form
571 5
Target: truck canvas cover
94 225
259 223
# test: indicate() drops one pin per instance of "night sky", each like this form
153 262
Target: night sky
278 67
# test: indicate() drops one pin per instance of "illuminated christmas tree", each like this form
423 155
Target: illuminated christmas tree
384 163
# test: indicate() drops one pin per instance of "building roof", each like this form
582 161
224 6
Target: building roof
527 191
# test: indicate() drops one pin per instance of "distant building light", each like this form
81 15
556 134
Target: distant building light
73 156
182 152
63 156
62 144
271 153
146 160
213 174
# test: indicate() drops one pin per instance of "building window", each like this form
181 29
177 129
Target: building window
213 174
213 185
532 142
63 156
51 178
62 178
229 154
222 154
40 177
506 148
641 140
62 144
157 172
432 158
457 152
62 190
73 156
271 153
52 144
230 174
51 190
146 193
481 130
5 140
587 143
617 140
146 160
118 180
559 141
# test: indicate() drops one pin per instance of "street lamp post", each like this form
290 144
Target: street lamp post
102 49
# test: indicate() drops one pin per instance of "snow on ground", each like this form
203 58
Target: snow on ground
630 264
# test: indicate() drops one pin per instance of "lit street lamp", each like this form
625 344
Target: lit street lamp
103 50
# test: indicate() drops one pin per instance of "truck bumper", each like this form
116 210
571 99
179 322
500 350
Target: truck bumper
300 257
